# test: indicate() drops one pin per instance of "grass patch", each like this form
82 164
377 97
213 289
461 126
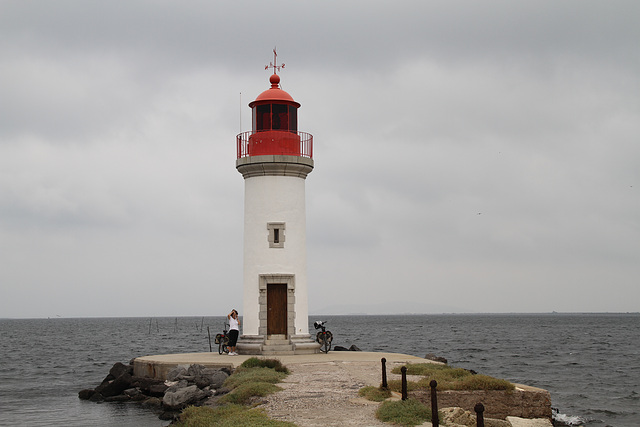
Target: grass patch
449 378
375 394
396 385
408 412
243 393
227 416
253 375
275 364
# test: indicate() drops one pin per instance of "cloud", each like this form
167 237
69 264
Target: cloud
479 157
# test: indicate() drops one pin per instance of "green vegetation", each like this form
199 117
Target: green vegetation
242 394
408 412
448 378
227 416
253 375
274 364
254 378
375 394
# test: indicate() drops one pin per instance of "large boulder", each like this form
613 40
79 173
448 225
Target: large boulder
119 369
183 397
115 387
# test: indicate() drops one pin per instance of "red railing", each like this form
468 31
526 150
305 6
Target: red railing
276 142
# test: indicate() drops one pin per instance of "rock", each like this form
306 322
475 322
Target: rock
431 356
144 384
340 348
157 390
135 394
152 402
181 398
460 417
96 397
119 369
354 348
115 387
86 393
176 373
195 370
213 378
222 390
118 398
169 416
180 384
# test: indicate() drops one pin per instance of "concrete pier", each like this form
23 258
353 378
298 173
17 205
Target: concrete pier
158 366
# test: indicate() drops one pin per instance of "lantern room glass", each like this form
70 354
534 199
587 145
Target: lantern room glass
280 117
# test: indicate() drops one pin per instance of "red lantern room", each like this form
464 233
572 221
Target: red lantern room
275 126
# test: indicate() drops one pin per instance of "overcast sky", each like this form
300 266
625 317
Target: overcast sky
470 156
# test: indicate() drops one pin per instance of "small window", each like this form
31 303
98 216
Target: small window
276 234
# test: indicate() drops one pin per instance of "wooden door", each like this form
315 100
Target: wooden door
276 309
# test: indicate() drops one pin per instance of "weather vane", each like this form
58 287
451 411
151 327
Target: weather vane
273 65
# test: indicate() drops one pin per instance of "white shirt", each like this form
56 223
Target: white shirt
233 324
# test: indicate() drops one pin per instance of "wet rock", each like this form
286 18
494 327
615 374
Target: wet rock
86 393
96 397
115 387
354 348
119 368
431 356
118 398
340 348
152 402
169 416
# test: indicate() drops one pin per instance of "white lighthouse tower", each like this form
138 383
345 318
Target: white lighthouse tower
275 158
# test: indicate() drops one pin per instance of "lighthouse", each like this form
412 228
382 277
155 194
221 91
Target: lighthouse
274 158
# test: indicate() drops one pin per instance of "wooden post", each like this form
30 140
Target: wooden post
209 333
403 370
435 420
384 373
479 408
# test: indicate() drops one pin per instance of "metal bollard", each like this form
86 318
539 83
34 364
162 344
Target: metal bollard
384 374
435 420
403 370
479 408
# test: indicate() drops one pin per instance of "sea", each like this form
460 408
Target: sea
590 363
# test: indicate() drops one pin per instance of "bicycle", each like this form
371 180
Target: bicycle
223 340
323 337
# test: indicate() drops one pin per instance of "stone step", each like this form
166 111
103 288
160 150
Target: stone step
277 353
281 347
276 342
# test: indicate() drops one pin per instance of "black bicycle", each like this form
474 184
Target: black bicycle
323 337
223 340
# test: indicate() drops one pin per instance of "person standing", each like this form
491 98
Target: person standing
234 331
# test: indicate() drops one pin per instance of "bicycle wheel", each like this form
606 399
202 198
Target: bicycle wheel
325 345
221 347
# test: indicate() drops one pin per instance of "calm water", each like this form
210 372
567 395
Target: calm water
589 362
